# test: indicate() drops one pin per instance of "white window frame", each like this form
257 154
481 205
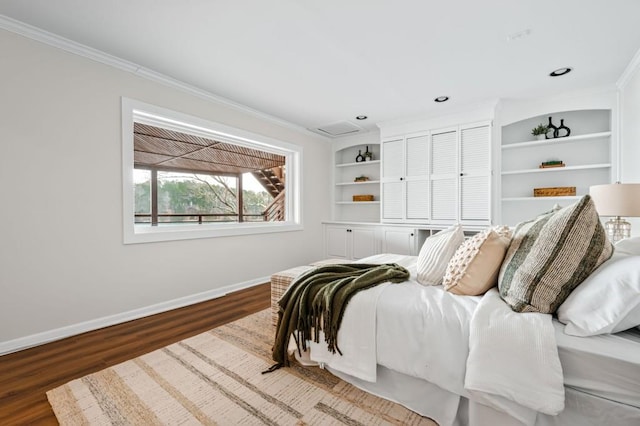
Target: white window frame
140 112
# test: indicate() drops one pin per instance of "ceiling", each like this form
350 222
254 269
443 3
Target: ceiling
317 63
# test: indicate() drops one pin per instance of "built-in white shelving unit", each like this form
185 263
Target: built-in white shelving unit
345 187
586 153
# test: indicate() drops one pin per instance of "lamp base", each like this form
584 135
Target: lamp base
617 229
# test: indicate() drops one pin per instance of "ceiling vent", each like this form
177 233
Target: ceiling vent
334 130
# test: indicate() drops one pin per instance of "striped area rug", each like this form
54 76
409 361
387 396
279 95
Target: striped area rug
215 378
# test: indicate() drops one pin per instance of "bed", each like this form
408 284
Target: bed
601 373
485 359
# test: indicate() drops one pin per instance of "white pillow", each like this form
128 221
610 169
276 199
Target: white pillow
608 301
435 254
628 246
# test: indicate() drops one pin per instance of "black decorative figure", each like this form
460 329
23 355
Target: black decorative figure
368 156
562 131
552 131
359 158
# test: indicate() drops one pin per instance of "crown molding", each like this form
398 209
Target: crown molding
40 35
629 71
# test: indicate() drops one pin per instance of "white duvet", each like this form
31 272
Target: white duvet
431 334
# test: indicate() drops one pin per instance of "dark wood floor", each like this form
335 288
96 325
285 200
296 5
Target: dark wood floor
25 376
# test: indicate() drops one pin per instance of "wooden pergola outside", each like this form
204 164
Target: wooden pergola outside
157 149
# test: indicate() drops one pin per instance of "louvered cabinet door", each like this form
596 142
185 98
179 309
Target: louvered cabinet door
392 200
417 177
475 174
444 176
393 159
392 179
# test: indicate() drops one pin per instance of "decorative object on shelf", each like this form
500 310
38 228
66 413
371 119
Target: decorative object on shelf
562 131
557 191
368 155
552 163
617 199
551 130
540 131
359 157
362 178
365 197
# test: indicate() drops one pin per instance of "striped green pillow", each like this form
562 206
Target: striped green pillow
550 255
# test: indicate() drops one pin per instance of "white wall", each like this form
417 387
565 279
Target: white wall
62 260
630 134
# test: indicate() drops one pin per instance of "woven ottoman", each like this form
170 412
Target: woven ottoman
280 282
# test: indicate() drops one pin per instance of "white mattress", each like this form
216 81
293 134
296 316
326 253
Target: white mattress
607 366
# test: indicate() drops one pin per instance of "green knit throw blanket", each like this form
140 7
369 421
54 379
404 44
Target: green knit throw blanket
316 301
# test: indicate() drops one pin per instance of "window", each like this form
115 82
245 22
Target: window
184 177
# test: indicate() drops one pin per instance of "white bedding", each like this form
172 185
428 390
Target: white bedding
514 356
423 332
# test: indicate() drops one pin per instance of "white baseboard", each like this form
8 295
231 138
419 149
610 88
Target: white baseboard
21 343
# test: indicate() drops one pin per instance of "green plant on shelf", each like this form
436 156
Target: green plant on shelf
540 129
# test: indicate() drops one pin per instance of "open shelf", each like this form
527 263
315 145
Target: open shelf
357 202
556 141
368 182
561 197
361 163
588 154
558 169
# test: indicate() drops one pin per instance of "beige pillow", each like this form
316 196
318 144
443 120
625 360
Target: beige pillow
474 267
435 254
550 255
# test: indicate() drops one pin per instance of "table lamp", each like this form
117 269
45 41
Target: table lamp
617 200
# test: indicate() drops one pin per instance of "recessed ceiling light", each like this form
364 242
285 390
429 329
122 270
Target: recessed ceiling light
361 117
560 71
440 99
519 35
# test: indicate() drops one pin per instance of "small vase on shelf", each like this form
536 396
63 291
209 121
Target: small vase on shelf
562 131
359 157
551 130
368 155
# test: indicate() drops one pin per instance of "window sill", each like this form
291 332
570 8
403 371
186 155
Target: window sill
144 233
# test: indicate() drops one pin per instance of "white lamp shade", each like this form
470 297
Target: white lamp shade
616 199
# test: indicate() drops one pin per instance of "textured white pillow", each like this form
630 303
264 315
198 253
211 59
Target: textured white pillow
435 254
628 246
608 301
474 267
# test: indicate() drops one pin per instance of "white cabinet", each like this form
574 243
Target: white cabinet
438 177
355 241
405 179
401 240
475 174
346 170
444 175
461 175
586 154
351 241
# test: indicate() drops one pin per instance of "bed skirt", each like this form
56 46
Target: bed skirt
447 408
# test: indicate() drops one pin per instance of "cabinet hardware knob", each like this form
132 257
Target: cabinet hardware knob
412 234
401 178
